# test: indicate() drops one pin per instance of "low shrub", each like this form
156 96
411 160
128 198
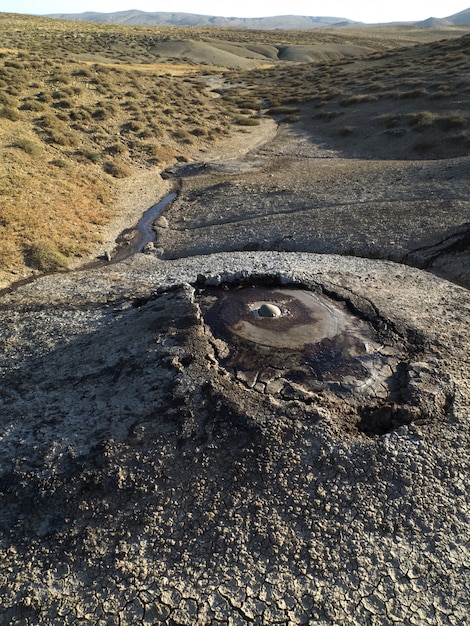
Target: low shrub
181 134
117 168
44 257
44 96
443 93
80 115
281 110
134 126
116 148
7 100
246 121
89 155
327 116
413 93
359 99
291 119
392 120
346 131
66 139
30 104
59 163
100 114
453 121
199 131
421 120
83 73
61 78
27 146
63 104
9 113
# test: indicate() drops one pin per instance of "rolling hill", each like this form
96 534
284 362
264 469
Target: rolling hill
142 18
134 17
83 106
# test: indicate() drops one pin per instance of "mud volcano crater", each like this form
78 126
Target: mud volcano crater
297 344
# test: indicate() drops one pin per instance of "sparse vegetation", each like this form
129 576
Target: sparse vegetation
77 113
30 147
42 256
117 168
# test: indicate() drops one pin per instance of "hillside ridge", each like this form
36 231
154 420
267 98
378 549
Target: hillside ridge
134 17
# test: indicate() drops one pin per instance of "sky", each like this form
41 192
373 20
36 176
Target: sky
369 11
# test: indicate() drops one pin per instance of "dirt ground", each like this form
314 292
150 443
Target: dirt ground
148 477
295 194
159 465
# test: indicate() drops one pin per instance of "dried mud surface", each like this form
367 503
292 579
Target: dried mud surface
297 194
166 458
146 480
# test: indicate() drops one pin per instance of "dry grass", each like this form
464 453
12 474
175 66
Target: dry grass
69 128
424 89
82 105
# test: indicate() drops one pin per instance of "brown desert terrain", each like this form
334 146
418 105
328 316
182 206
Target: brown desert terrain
261 416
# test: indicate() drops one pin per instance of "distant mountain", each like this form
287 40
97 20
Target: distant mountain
459 19
279 22
142 18
435 22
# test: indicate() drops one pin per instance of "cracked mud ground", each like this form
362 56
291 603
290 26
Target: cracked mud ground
147 477
294 194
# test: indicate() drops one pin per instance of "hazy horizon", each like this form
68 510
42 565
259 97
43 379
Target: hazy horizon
365 11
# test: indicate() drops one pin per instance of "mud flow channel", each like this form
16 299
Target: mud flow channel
133 240
268 337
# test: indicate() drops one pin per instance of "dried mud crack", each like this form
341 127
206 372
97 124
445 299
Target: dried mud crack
291 194
163 462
